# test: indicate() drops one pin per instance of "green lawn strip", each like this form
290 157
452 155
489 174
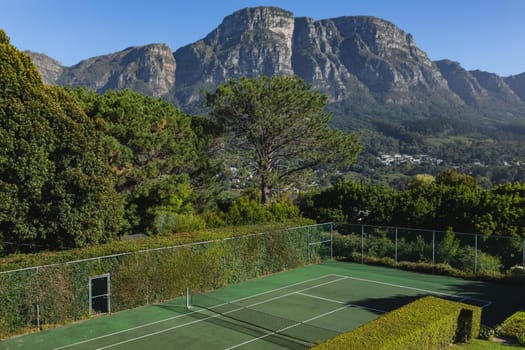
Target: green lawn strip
478 344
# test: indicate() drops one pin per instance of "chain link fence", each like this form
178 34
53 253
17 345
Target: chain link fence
43 296
471 253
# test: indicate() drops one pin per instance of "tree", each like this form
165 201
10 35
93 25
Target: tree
280 127
56 189
151 148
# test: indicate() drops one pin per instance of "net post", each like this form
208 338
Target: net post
188 306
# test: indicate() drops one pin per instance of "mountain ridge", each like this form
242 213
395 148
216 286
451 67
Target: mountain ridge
363 53
379 82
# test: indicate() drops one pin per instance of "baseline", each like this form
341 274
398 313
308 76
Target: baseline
455 296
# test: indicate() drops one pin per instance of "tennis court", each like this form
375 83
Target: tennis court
289 310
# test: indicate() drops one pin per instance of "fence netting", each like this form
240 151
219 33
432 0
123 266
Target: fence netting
472 253
37 297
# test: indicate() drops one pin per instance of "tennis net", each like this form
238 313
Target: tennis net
269 323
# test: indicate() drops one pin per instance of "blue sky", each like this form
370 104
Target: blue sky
480 34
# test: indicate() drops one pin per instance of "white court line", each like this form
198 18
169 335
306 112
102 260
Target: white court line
487 302
342 302
286 328
182 315
200 320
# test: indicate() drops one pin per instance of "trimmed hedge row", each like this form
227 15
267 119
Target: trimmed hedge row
427 323
513 327
60 292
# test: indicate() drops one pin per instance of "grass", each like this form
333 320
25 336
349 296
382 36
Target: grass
478 344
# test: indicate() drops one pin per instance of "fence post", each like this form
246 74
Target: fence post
37 316
38 301
475 254
331 241
395 246
524 253
433 248
308 244
362 244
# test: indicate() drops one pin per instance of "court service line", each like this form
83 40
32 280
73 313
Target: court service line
218 315
342 302
286 328
487 302
182 315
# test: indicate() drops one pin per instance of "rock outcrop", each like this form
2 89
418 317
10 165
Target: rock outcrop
50 69
358 59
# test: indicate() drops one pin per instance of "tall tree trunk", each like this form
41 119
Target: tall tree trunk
265 191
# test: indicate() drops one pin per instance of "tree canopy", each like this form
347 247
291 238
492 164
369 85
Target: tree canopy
151 149
55 188
280 127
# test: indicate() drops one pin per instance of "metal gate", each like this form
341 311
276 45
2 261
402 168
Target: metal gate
99 294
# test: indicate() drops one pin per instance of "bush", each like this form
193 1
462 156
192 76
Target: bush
486 332
145 276
427 323
167 222
345 245
465 260
513 327
521 338
245 211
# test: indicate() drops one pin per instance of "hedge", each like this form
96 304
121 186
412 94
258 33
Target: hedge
513 326
427 323
61 291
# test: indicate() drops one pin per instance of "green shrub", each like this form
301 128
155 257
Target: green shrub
246 210
465 260
167 222
282 211
513 326
144 276
486 332
427 323
521 338
345 245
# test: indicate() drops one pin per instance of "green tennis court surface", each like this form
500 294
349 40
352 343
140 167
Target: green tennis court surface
289 310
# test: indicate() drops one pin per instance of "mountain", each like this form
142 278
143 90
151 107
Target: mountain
360 56
377 79
49 68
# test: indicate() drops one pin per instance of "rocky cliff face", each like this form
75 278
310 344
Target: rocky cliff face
462 82
478 88
364 52
148 69
49 68
517 83
250 42
360 59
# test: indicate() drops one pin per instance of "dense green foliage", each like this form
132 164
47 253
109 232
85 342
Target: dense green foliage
150 146
281 130
453 201
484 142
427 323
56 189
146 276
513 327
